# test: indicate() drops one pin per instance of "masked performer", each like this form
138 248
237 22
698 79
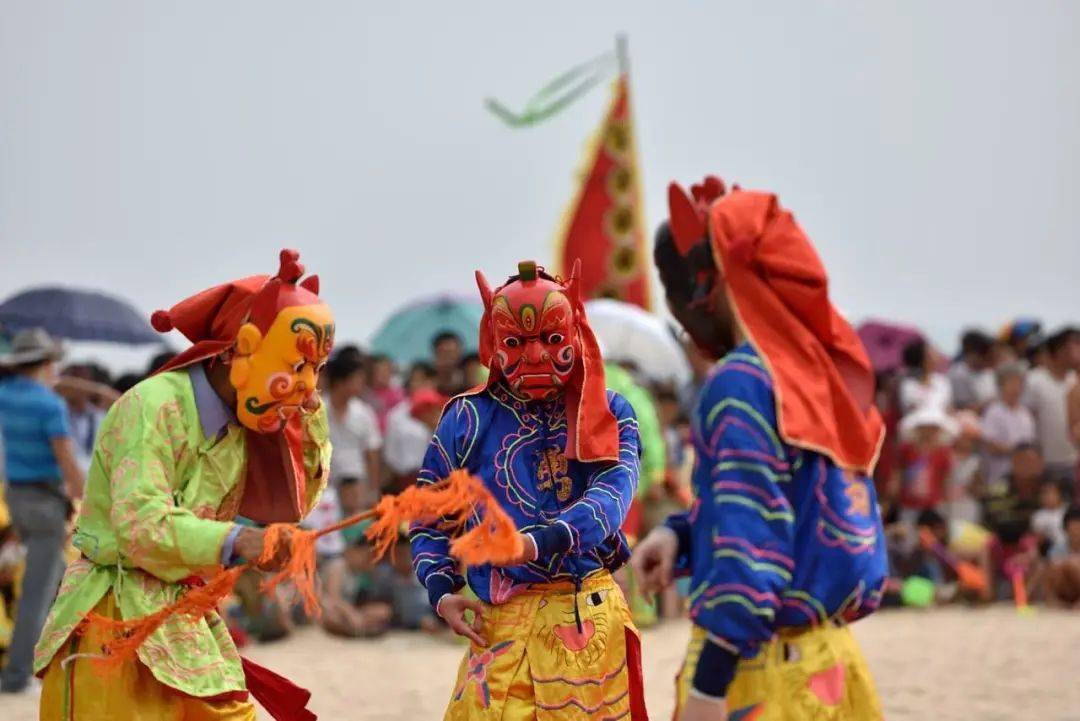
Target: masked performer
784 542
231 426
552 638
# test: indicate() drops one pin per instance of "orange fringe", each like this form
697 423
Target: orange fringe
450 503
299 569
128 635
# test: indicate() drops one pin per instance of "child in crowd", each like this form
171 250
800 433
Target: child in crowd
1061 582
383 390
924 387
1048 523
1006 423
344 612
925 461
393 584
965 477
420 375
1008 507
958 542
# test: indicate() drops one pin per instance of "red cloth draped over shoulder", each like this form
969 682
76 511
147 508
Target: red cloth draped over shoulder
777 284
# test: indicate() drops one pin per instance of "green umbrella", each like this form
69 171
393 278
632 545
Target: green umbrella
407 334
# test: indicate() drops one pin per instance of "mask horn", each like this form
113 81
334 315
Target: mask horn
311 283
687 225
485 289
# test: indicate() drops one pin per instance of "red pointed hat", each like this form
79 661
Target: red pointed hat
592 432
780 292
211 319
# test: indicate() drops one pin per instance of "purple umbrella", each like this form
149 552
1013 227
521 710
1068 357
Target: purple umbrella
885 343
77 315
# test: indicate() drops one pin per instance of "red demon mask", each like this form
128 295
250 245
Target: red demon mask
535 337
536 342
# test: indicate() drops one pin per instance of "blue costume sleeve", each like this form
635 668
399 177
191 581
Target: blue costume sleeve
680 524
602 508
744 529
431 559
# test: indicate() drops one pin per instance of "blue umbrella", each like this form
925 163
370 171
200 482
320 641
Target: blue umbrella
407 334
77 315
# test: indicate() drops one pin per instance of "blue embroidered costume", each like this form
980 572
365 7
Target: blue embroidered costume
561 454
779 536
572 509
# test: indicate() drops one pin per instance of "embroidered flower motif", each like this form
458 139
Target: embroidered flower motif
477 672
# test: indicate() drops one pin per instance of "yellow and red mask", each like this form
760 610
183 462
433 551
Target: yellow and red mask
276 373
534 337
275 332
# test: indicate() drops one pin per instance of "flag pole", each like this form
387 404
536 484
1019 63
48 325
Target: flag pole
622 54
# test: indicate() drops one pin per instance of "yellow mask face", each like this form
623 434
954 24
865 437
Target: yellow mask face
276 375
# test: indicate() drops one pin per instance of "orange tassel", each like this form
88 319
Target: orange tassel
450 502
495 539
128 635
299 569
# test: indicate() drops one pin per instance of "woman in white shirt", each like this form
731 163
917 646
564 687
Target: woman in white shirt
925 387
354 428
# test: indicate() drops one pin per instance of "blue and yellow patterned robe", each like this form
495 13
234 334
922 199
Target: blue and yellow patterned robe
573 510
778 536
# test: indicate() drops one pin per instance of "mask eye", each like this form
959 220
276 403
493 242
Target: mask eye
596 598
512 342
555 338
298 366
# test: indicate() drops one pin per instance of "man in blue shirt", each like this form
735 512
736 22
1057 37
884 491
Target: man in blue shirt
43 478
783 543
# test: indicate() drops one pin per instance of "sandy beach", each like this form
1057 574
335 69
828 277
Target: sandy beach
945 665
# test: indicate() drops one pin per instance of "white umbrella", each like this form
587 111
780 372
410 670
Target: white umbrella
629 333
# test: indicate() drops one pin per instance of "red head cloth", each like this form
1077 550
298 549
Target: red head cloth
211 319
275 480
779 290
592 430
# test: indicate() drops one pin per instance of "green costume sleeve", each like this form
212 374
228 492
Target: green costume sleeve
653 449
153 531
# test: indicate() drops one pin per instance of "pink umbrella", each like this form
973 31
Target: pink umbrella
885 343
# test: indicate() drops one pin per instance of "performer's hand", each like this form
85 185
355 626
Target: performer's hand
697 708
529 552
249 546
452 609
654 559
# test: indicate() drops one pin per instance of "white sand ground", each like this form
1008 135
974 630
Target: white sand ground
943 665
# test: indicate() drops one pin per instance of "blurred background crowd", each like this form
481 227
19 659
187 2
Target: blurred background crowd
977 476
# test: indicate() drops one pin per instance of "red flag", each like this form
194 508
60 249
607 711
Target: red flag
605 225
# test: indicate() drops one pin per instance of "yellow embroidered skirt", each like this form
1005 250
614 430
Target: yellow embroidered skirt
79 692
816 674
538 665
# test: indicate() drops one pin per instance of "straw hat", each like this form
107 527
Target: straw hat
31 346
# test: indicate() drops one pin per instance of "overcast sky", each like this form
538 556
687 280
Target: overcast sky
931 149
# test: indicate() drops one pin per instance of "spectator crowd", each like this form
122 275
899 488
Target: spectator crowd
977 477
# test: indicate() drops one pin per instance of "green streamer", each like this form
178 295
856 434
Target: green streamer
557 94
